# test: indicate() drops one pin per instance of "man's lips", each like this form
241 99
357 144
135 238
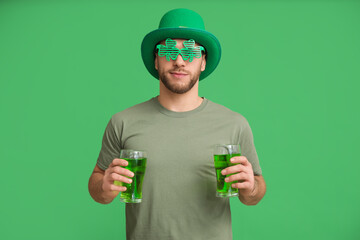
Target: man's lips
178 74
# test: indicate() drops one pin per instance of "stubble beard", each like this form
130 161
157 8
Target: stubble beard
179 88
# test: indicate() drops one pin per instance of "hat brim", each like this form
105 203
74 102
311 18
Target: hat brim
204 38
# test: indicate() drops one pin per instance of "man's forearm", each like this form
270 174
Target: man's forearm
256 195
96 191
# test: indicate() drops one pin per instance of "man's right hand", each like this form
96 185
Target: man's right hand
101 183
116 172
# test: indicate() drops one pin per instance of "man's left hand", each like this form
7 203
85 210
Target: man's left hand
243 175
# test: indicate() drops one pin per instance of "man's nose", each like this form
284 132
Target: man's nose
179 61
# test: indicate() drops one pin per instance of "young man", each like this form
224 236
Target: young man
178 130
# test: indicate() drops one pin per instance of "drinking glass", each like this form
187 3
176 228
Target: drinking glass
222 155
137 164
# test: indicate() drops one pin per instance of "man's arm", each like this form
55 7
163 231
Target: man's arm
258 192
101 183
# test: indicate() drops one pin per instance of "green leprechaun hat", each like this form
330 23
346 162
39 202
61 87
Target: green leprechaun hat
186 24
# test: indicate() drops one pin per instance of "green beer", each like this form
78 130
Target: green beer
221 162
133 193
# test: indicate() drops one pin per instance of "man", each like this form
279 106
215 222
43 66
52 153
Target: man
178 130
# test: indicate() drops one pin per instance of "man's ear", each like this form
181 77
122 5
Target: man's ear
156 63
203 63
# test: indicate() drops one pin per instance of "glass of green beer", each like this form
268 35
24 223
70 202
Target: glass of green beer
222 155
137 164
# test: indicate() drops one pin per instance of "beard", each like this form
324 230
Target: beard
176 87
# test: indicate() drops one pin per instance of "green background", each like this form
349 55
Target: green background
290 67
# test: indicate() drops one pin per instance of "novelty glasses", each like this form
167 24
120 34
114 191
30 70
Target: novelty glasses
170 51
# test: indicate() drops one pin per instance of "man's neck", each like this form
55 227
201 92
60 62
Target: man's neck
180 102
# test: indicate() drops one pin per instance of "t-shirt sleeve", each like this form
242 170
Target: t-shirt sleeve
110 147
247 148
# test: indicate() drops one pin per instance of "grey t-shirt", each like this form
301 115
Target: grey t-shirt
179 190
